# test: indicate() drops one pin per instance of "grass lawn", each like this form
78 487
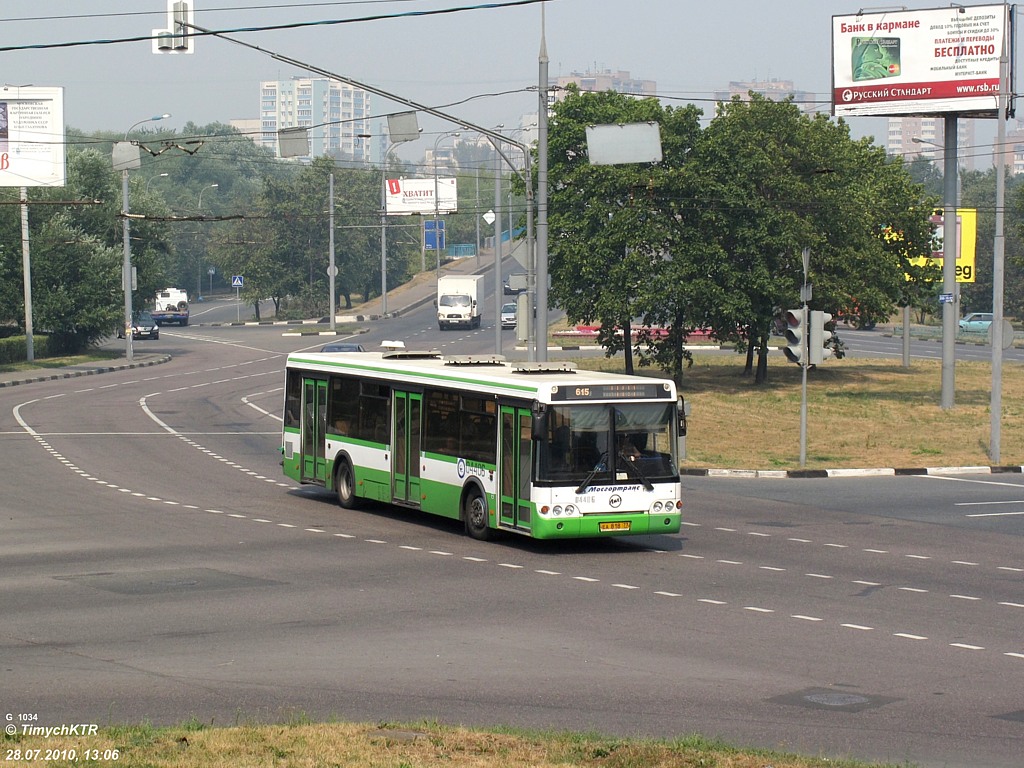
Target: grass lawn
860 413
307 745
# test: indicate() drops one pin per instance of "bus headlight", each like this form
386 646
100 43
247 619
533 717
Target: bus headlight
657 507
556 510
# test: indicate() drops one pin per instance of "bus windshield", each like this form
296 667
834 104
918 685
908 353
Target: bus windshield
626 442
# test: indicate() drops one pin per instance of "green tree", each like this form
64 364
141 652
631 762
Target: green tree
782 181
978 191
712 237
76 245
282 245
608 244
925 172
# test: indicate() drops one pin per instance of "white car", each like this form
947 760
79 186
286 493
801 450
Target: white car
508 315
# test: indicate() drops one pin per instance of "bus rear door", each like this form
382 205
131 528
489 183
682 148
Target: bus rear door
514 462
405 449
314 430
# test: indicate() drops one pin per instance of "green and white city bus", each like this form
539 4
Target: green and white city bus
538 449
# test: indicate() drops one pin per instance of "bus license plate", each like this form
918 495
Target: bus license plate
619 525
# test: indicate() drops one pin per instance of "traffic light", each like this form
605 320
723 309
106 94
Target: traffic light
178 36
796 336
819 346
182 17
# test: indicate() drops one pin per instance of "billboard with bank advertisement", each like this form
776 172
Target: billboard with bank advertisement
32 136
928 62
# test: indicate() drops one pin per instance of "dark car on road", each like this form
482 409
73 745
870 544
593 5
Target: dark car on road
143 327
342 346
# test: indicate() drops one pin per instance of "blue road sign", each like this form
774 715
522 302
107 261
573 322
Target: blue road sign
236 281
430 237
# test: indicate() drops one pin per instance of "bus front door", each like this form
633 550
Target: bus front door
314 430
405 453
514 462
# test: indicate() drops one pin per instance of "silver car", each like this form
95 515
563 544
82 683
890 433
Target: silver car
508 315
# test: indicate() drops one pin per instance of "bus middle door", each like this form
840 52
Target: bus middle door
314 430
405 448
514 461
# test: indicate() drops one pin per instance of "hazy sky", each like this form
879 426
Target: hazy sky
485 59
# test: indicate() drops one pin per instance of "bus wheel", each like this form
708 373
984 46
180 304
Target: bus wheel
345 484
474 512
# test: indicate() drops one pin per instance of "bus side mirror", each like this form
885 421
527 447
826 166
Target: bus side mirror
684 411
539 425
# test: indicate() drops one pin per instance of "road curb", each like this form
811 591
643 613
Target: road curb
72 373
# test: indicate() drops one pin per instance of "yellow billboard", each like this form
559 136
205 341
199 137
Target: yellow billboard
967 235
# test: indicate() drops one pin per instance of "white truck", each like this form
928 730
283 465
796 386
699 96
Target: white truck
458 301
171 306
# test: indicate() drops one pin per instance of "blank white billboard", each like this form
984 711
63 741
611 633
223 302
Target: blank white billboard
408 196
32 137
624 143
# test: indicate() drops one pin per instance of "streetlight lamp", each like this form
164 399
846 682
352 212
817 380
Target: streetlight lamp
208 186
126 277
153 178
437 202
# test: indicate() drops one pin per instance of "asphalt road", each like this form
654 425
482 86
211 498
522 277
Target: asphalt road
155 565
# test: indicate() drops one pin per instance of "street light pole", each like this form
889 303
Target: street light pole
498 293
998 267
332 269
384 230
437 202
384 226
199 208
126 266
950 252
540 264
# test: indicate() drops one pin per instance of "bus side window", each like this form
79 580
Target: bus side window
344 400
292 400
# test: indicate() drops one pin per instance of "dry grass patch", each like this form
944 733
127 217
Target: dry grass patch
339 745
